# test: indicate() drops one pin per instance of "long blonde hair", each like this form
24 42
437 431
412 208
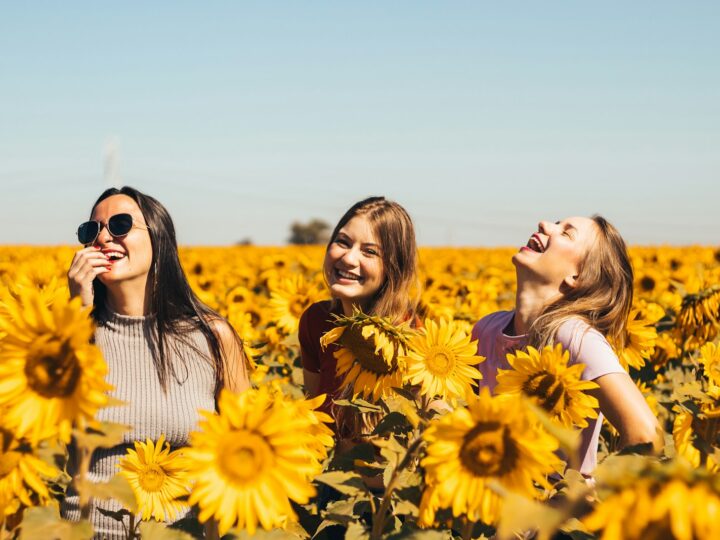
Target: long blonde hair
602 295
398 296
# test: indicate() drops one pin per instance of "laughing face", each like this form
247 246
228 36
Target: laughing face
130 256
353 264
554 254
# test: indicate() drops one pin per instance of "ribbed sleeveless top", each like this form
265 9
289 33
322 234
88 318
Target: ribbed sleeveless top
126 344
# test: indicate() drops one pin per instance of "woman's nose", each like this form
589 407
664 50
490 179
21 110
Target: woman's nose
350 257
103 235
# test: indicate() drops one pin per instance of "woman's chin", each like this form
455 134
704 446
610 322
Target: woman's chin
347 298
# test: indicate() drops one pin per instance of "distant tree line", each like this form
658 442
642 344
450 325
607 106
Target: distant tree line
315 231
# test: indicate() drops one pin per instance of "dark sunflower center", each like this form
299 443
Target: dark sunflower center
489 450
546 388
53 372
364 352
708 429
298 305
647 284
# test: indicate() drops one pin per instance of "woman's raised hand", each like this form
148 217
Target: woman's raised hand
87 263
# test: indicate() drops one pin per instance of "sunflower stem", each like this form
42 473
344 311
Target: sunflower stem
467 529
210 528
131 527
80 483
380 517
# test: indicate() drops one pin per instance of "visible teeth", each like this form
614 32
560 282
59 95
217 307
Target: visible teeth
536 245
347 275
115 255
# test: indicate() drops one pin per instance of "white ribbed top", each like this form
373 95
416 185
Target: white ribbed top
125 343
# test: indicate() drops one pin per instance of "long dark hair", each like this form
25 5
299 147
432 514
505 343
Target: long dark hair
174 305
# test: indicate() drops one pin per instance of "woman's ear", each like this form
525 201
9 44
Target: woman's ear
568 284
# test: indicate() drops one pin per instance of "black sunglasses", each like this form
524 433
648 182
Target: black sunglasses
118 225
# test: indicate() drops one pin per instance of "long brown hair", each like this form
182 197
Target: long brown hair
602 295
398 296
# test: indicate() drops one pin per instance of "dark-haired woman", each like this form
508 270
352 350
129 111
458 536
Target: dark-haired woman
168 354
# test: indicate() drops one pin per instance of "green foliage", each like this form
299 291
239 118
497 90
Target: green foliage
45 522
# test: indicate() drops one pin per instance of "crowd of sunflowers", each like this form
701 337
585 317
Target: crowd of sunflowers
265 463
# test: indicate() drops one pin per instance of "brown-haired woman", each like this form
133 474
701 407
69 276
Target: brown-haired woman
371 264
575 287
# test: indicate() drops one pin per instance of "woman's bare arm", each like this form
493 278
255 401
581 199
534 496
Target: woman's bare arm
237 378
626 409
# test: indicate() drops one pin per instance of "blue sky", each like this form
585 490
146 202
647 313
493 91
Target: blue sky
480 118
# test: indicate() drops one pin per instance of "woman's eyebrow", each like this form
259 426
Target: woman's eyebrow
567 225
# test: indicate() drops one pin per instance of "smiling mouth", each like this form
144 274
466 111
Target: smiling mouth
114 256
535 244
347 275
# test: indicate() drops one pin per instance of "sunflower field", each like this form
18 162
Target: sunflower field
436 459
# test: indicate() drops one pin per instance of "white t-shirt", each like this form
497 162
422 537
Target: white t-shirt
586 346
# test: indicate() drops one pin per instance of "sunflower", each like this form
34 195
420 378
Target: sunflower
545 377
289 298
441 358
250 460
650 282
666 349
437 303
699 318
494 439
50 374
702 430
242 323
322 435
239 296
710 360
22 476
684 434
657 501
158 477
370 353
49 290
640 336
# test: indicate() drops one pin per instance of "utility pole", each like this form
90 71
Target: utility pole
111 156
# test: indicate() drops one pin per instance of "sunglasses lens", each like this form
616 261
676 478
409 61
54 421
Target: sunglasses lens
87 232
120 224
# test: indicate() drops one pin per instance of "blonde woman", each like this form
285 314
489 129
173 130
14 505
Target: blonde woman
575 287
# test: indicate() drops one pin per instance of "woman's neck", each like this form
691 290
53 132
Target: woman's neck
348 307
128 299
530 300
